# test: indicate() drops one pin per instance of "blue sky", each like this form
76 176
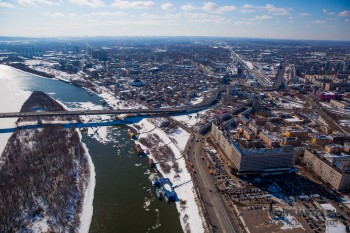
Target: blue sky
294 19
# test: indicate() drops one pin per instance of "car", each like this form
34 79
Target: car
197 140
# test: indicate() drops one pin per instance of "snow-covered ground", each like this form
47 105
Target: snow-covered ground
197 100
335 226
87 209
292 105
190 119
180 138
288 221
249 64
11 100
185 190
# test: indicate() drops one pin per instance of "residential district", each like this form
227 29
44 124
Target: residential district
274 149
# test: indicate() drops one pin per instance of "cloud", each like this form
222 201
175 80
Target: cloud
108 13
304 14
188 7
133 4
344 13
319 21
276 10
248 6
6 4
212 7
38 2
203 18
244 11
262 17
168 7
167 16
90 3
328 12
243 23
53 15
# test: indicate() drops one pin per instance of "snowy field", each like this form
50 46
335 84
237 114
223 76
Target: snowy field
190 119
180 138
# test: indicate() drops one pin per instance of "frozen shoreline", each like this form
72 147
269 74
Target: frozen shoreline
185 189
87 208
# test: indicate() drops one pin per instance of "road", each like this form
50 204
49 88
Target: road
265 82
220 216
184 109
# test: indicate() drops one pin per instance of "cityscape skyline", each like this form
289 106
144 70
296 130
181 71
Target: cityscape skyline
320 20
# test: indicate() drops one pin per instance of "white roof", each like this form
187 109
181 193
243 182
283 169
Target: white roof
328 206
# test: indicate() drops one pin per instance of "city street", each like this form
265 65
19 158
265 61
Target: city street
221 218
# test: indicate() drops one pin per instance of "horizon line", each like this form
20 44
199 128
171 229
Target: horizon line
169 36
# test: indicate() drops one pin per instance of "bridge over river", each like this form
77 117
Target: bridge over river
140 113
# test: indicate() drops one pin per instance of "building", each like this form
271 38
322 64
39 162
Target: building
269 139
325 96
254 161
290 142
339 104
321 140
299 133
332 169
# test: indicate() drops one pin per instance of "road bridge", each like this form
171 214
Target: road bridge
145 112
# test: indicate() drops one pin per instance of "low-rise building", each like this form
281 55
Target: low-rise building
269 139
321 140
339 104
300 133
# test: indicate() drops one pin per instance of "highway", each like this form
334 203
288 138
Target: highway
180 110
220 217
265 82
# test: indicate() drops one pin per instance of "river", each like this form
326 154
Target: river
124 200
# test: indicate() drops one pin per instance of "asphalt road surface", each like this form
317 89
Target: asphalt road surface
220 216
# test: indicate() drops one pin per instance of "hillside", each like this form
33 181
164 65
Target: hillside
43 176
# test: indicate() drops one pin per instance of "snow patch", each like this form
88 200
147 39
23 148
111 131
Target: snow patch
87 208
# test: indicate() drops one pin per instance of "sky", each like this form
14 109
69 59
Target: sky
283 19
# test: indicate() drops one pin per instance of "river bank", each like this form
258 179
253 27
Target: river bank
191 217
189 221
